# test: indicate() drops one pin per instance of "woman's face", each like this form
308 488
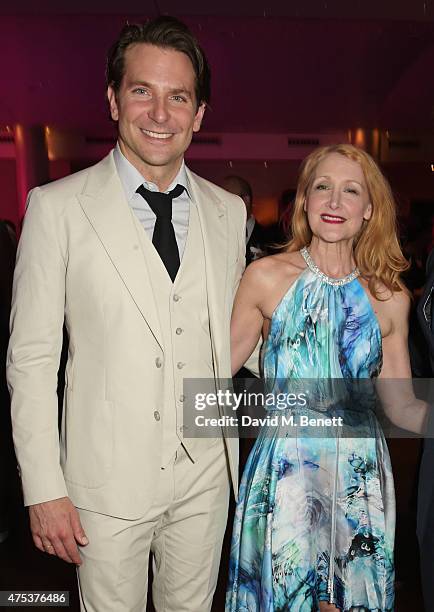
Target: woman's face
337 201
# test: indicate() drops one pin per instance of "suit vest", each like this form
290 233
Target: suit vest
184 321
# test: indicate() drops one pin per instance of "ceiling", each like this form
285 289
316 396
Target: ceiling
317 9
279 67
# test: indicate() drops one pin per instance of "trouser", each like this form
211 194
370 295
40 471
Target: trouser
184 530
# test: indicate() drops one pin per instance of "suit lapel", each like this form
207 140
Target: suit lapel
213 221
104 204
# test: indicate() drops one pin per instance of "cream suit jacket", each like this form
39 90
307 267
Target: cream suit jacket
80 260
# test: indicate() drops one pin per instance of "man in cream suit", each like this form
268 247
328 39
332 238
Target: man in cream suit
146 298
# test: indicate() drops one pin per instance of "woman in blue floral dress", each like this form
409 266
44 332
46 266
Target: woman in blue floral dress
314 524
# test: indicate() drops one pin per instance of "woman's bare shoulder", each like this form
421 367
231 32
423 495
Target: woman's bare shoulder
271 269
270 277
397 304
280 264
387 299
392 308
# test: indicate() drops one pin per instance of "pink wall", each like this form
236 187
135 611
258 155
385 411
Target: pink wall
8 190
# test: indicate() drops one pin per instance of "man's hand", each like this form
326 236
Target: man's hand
56 529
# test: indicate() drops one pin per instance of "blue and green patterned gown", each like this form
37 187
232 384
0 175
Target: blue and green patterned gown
316 515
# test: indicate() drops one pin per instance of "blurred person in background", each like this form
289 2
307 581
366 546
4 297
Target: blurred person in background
256 234
279 233
425 502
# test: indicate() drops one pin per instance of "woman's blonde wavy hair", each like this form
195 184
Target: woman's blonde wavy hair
377 251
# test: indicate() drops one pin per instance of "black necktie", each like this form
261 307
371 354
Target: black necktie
163 237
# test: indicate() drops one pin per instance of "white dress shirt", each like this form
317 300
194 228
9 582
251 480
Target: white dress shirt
131 179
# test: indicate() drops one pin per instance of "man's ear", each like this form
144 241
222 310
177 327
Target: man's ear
199 116
111 96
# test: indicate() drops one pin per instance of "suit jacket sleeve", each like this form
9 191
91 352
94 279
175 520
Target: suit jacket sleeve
37 315
425 308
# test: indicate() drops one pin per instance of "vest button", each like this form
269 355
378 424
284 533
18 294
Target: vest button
158 362
182 398
157 416
176 298
180 365
179 331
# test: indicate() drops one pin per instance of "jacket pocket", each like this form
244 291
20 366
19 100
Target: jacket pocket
87 440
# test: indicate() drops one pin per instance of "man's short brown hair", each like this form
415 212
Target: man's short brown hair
165 32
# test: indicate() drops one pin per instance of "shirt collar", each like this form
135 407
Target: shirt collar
131 178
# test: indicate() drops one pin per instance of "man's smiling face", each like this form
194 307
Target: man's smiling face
156 110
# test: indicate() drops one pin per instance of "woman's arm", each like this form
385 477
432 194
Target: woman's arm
247 317
394 386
